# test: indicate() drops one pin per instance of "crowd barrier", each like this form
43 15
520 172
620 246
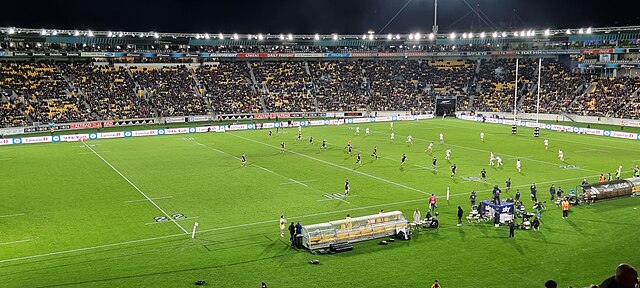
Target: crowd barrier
558 128
204 129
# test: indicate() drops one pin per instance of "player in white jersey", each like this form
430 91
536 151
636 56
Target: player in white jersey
391 126
299 128
392 136
283 223
430 148
410 139
546 144
447 154
366 131
441 138
357 131
499 160
560 155
491 159
519 166
482 136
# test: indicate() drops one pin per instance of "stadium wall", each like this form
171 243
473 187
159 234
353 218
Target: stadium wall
205 129
566 117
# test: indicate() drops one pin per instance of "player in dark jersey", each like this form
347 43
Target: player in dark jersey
269 133
453 170
404 158
375 152
299 135
324 145
483 173
350 149
311 140
244 160
282 147
358 160
434 163
347 187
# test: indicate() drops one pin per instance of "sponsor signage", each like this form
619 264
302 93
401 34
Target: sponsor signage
206 129
625 135
144 133
360 120
561 128
110 135
271 115
84 125
199 118
591 131
405 117
237 127
175 120
316 122
170 131
6 141
29 140
75 137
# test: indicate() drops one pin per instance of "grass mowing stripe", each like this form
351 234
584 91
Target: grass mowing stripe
337 166
136 187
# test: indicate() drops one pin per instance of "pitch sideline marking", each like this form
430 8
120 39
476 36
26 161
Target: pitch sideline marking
12 215
159 222
341 167
15 242
136 187
156 198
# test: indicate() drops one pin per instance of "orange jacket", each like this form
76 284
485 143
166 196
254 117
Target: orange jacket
565 205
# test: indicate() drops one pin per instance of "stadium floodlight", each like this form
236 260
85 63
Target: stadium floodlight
411 36
335 36
120 34
220 36
522 33
316 37
482 35
470 35
235 36
12 30
43 32
464 35
156 35
290 37
54 33
547 32
76 33
418 36
281 36
90 33
260 37
370 36
398 36
452 35
581 31
141 34
109 34
494 35
589 30
568 31
431 36
515 33
504 34
364 36
197 36
389 37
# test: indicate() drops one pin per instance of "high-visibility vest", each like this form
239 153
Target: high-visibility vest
565 205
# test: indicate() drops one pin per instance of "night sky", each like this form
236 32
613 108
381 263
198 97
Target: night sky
312 16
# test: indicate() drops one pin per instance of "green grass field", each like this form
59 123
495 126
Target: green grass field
83 216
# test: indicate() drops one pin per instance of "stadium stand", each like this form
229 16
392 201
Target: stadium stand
229 88
339 85
285 86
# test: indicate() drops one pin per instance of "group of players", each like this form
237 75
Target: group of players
494 160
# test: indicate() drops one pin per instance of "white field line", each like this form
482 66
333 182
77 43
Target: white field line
141 200
301 181
256 165
5 159
86 153
329 199
136 187
186 218
338 166
245 225
508 155
12 215
15 242
588 150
